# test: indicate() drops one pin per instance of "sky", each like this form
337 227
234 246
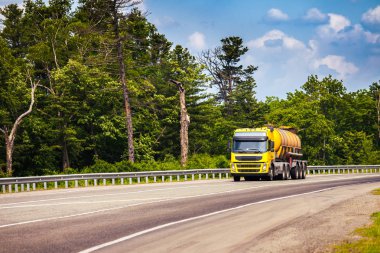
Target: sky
287 39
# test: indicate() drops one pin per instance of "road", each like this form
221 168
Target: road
197 216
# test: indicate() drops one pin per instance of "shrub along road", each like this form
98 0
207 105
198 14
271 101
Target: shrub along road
203 216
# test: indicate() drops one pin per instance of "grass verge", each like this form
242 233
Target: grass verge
370 237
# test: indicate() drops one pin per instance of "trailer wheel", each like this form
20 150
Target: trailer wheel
284 174
288 172
236 178
294 172
303 171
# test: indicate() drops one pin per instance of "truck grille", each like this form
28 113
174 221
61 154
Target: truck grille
249 170
248 167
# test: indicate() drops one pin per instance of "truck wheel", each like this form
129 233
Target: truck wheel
294 172
236 178
288 172
271 174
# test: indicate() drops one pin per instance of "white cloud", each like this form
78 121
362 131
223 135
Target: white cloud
372 16
197 41
337 23
276 38
314 14
338 64
277 15
165 21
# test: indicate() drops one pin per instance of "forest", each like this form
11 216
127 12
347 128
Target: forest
88 88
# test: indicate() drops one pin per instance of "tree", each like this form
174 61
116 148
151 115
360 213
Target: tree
222 63
11 135
184 121
375 90
115 16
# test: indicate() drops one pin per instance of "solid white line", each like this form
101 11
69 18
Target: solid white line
122 239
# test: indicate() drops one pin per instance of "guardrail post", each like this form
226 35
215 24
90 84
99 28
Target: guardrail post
155 179
122 180
171 178
104 181
138 180
22 187
200 177
85 183
226 175
220 175
213 175
95 182
130 180
192 177
163 179
55 184
113 181
66 184
76 183
34 186
177 178
45 186
28 187
16 187
3 186
146 180
206 176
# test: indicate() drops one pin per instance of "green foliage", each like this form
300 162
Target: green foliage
370 241
78 121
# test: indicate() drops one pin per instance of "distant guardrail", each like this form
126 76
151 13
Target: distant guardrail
16 184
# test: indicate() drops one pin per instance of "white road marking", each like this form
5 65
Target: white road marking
269 184
123 239
101 195
120 207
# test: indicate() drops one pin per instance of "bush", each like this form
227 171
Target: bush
100 166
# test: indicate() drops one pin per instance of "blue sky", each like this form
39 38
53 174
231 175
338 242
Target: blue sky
287 40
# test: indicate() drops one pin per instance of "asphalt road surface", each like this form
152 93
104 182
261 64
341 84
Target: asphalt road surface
197 216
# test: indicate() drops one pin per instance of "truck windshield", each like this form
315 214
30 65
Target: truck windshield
249 146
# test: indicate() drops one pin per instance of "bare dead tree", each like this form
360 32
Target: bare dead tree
184 122
11 136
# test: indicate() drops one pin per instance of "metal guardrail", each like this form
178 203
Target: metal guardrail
16 184
30 183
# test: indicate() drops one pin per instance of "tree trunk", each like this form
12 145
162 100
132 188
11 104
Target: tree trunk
10 137
65 156
184 122
378 111
127 107
9 152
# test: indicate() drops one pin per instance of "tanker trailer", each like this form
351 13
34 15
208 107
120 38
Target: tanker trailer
267 153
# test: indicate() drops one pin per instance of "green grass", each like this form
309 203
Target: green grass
370 237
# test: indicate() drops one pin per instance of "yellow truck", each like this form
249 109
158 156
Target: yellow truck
267 153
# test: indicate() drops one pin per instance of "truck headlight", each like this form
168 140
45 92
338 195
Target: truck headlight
264 167
233 168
